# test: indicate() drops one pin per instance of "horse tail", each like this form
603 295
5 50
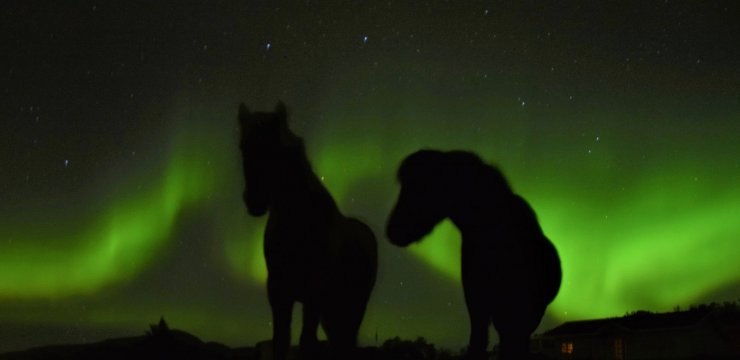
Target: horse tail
362 250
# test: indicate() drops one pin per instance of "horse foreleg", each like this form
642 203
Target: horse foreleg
478 338
479 322
514 346
282 311
309 341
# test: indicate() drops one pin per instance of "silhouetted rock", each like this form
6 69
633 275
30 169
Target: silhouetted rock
510 270
397 349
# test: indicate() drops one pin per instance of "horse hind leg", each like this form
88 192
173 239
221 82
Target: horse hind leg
352 286
309 343
514 346
478 345
516 327
342 325
281 318
478 305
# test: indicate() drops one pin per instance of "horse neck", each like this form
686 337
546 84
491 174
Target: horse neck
479 205
300 189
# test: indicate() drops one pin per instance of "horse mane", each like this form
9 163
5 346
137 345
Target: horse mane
452 166
301 171
296 147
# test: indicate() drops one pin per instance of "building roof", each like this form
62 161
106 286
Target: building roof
641 320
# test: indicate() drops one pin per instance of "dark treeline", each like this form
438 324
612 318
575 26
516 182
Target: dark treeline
728 308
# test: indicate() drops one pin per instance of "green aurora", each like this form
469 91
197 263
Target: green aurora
644 247
117 244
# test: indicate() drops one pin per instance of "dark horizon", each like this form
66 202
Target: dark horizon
164 340
120 187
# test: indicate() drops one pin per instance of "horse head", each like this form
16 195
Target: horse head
263 138
436 185
421 203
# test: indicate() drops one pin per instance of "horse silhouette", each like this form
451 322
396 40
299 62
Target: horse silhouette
510 270
314 254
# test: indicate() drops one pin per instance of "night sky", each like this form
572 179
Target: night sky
120 181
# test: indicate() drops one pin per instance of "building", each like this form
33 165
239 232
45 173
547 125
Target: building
706 332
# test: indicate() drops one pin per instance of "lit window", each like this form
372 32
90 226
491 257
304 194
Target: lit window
566 347
618 349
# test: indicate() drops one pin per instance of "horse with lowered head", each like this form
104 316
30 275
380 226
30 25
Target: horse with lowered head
510 270
314 254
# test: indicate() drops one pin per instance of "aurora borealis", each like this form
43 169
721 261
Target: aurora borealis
120 180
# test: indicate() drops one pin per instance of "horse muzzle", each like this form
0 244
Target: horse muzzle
399 236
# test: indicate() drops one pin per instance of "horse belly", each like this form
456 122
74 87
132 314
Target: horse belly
507 275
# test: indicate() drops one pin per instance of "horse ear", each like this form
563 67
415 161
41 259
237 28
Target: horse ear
280 108
244 115
282 115
243 111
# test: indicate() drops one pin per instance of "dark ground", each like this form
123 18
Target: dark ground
165 343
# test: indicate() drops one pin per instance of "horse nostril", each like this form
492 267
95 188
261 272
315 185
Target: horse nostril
391 232
396 235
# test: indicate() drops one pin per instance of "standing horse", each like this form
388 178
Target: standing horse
510 270
314 254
